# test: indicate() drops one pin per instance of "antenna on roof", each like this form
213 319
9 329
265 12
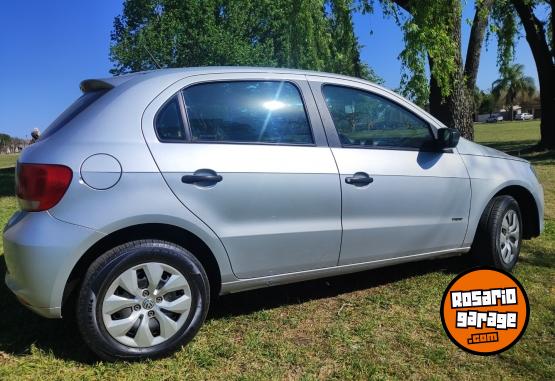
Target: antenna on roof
152 57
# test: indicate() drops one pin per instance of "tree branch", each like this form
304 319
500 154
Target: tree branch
475 42
405 4
535 34
552 30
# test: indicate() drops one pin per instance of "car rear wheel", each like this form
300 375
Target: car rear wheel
499 235
144 299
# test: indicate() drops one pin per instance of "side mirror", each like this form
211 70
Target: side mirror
448 137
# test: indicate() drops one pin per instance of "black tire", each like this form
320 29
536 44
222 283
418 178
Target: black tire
487 247
104 270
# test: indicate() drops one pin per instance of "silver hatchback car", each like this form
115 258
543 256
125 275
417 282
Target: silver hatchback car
156 191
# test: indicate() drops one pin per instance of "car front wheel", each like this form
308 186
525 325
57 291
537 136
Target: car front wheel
499 235
143 299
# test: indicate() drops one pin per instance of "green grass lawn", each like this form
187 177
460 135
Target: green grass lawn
7 161
378 324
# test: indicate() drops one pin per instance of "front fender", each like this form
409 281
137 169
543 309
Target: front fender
491 176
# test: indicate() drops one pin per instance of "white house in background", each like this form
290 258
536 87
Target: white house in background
506 116
533 109
503 112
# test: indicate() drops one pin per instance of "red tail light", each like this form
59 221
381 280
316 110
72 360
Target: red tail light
41 186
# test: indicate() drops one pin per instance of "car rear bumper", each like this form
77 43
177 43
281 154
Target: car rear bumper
24 295
40 252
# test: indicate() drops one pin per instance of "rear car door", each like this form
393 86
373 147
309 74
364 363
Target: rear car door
401 196
247 154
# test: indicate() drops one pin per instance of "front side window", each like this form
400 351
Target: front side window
247 112
368 120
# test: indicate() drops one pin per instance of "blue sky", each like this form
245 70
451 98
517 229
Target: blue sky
48 47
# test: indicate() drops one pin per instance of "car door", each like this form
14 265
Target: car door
247 154
400 195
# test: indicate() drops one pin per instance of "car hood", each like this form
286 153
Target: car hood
466 147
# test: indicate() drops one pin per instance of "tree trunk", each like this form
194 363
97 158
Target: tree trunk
547 87
547 100
438 105
475 42
511 111
544 59
455 110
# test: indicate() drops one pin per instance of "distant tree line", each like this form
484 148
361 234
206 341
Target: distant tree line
9 144
512 88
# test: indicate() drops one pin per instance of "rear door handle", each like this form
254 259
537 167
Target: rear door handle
359 179
191 179
202 177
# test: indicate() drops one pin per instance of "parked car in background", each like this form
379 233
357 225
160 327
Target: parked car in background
494 118
156 192
524 116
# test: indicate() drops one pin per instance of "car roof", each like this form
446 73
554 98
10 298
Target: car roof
243 69
109 82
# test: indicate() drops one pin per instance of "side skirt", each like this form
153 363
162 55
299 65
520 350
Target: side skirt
275 280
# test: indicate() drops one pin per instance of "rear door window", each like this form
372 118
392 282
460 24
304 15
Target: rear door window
268 112
169 123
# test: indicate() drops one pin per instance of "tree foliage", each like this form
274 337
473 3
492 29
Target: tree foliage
508 23
505 27
485 103
513 83
434 71
308 34
432 36
425 38
4 139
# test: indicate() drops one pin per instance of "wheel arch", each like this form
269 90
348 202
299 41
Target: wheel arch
528 208
160 231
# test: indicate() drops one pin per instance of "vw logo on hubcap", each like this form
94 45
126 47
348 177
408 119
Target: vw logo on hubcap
148 304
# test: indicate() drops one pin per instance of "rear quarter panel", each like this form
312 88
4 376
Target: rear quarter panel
112 125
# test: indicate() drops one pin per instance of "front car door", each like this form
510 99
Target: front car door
247 153
400 196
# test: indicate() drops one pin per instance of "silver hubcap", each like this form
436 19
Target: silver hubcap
509 236
146 305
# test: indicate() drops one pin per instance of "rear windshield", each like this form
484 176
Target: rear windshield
72 111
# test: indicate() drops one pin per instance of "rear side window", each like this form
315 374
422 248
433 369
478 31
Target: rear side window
247 112
72 111
169 124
